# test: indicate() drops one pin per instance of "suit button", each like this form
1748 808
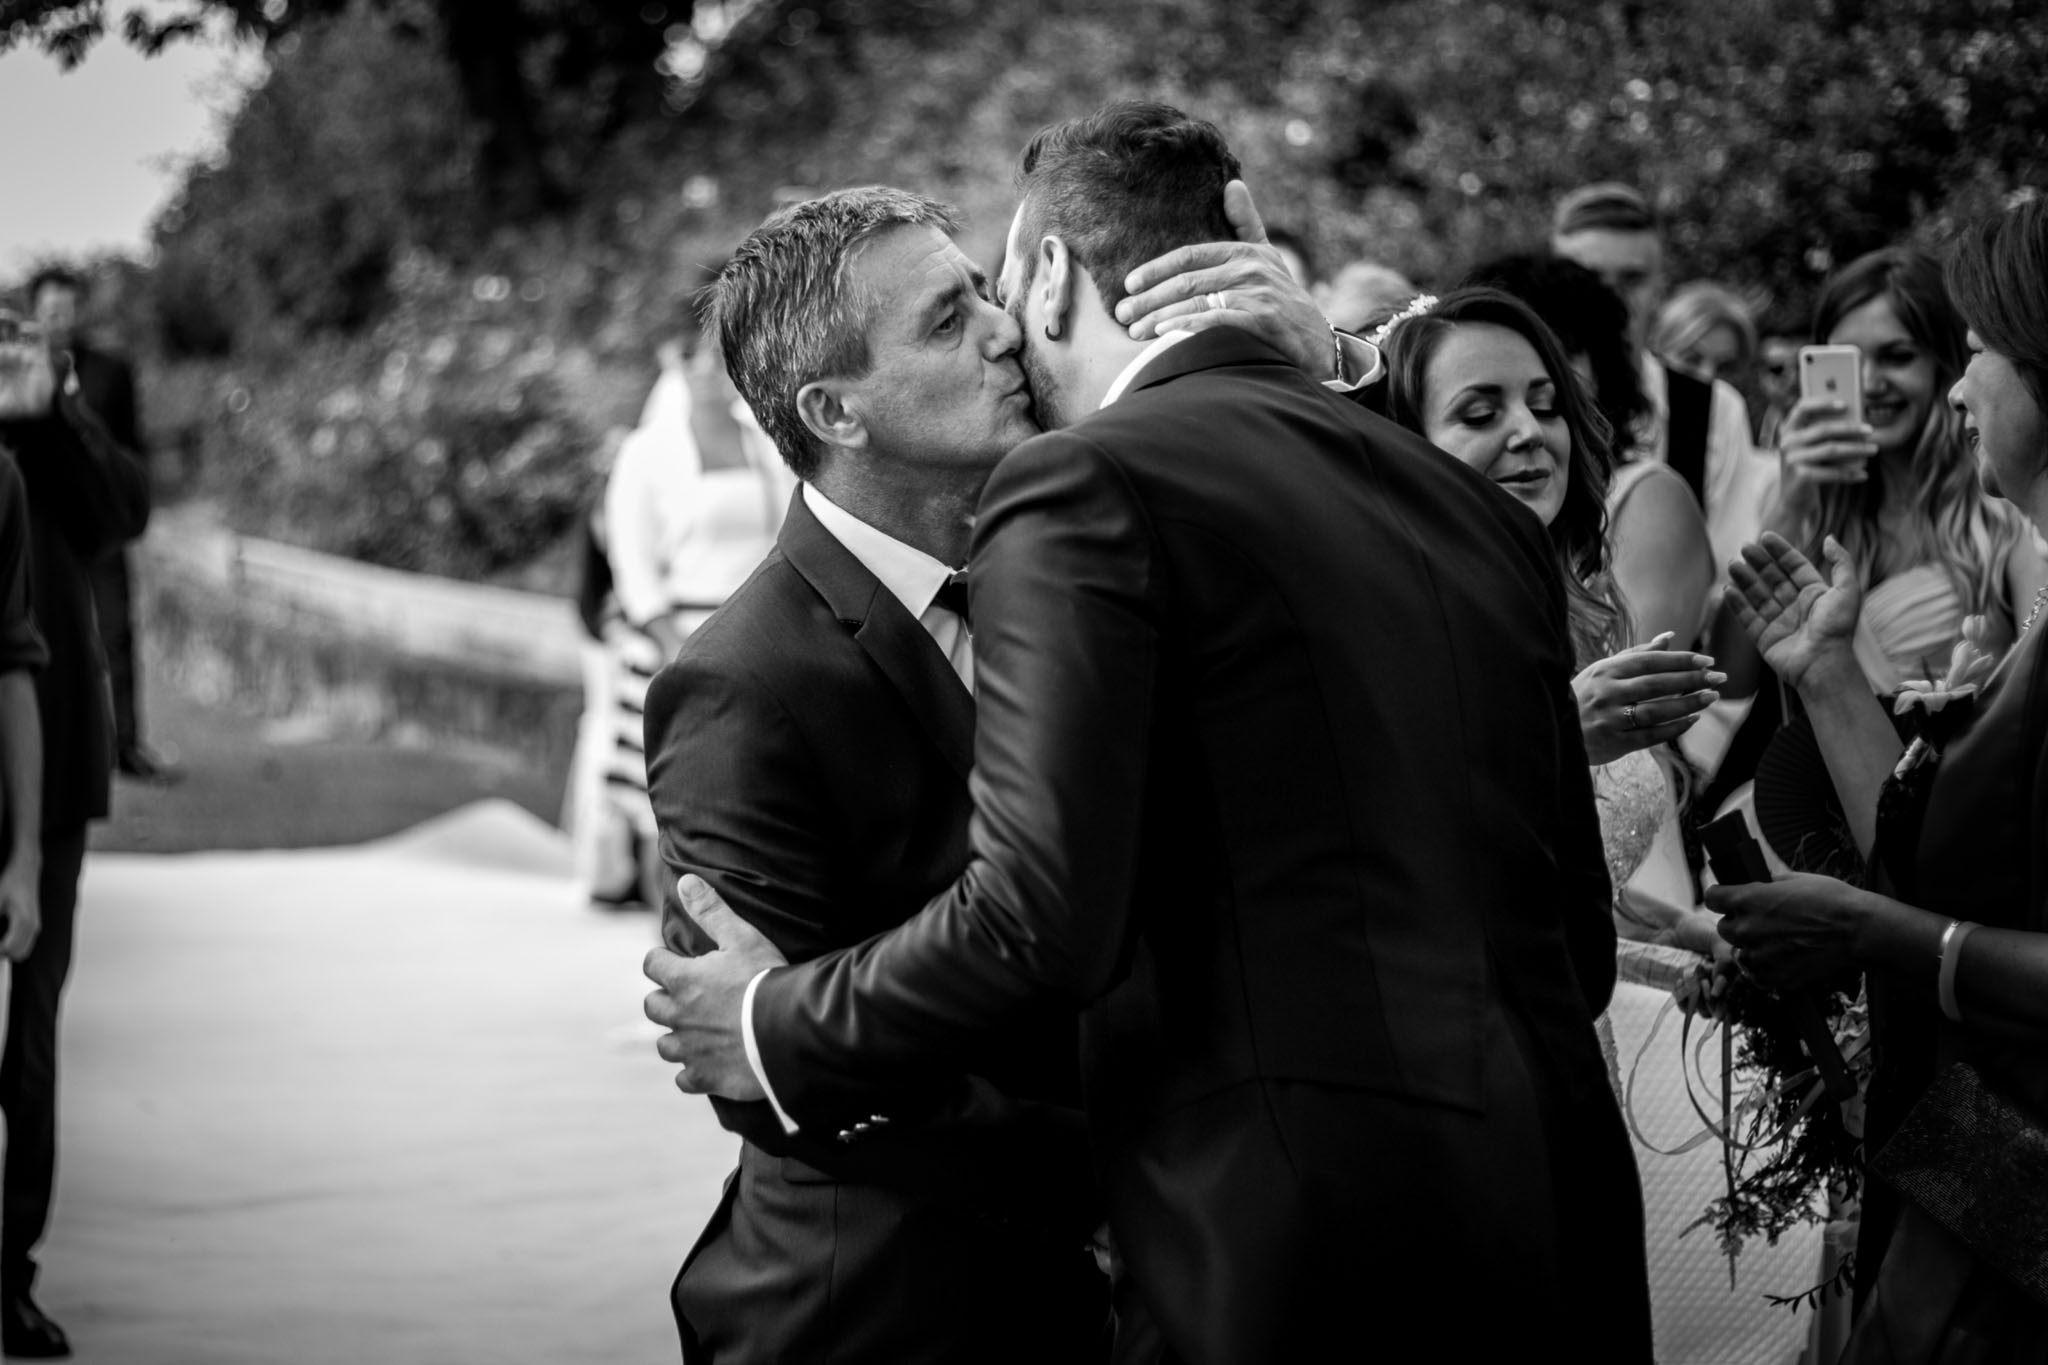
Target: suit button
879 1120
845 1136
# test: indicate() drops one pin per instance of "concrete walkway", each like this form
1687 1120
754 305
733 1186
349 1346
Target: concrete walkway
392 1103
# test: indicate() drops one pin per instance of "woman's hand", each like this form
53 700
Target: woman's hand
1178 292
1820 447
1795 930
1801 623
1642 697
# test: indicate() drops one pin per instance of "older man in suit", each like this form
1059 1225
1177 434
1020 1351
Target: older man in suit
1277 773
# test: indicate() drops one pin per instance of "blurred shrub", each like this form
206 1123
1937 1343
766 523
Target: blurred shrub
370 360
461 459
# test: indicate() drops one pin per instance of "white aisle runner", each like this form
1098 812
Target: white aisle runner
393 1103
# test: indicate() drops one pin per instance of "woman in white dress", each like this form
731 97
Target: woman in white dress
1481 377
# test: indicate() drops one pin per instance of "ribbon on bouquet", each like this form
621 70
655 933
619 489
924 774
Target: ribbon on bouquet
1692 1064
1692 1068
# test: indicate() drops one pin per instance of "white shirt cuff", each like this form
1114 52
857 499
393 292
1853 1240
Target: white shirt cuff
754 1050
1361 358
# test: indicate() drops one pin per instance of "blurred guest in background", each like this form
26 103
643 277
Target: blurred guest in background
1706 330
106 384
1954 936
1294 253
86 496
689 510
1698 427
1899 489
1361 291
1777 376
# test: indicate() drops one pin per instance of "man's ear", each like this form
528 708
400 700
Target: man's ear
1056 284
831 411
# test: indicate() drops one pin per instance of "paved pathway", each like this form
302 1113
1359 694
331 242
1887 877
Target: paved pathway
392 1103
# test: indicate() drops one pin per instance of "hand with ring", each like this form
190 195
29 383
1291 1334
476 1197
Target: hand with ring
1642 697
1796 929
1243 284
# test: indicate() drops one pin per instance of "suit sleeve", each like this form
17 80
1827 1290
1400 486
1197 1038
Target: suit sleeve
1064 579
737 794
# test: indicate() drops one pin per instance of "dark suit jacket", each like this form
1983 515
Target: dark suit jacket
1279 773
808 757
86 496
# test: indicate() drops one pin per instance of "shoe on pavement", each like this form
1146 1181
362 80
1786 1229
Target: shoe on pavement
142 765
26 1332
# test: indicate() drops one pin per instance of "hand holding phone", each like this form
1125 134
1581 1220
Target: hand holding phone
28 382
1736 859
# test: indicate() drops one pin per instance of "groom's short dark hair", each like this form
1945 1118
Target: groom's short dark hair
1127 183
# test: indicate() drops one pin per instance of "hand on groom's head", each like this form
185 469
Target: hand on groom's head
1244 284
701 999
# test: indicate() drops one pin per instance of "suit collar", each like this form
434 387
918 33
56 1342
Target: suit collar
892 638
1208 350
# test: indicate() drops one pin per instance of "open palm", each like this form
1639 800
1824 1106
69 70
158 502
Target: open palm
1796 617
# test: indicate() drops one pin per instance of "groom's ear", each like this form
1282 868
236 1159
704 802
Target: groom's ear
1055 284
831 410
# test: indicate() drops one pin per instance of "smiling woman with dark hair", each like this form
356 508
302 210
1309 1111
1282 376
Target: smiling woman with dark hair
1953 940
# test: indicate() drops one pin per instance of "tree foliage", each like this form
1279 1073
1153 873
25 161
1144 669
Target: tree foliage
564 172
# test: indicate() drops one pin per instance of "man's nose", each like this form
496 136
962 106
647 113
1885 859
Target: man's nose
1003 336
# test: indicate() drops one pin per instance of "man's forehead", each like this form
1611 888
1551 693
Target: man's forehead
1609 248
907 268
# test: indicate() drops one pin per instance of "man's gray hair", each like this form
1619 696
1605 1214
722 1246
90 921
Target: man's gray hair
787 312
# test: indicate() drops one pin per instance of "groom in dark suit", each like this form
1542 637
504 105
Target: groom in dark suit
1277 774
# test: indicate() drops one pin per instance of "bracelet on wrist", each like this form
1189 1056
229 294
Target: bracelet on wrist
1951 954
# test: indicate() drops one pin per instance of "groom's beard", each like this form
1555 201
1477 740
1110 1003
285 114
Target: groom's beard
1045 389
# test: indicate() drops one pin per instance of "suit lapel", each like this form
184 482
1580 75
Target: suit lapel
892 638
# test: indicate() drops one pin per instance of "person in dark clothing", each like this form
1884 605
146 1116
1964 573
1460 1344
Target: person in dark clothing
106 384
86 495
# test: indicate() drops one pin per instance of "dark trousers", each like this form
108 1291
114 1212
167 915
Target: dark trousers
113 603
28 1068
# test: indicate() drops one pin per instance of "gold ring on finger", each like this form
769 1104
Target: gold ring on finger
1628 716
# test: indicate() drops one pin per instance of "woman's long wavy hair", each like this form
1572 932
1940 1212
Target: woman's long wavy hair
1953 523
1578 534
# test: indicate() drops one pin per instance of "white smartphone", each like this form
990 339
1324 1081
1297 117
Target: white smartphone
1834 373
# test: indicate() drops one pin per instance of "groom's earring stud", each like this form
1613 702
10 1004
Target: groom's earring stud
1050 333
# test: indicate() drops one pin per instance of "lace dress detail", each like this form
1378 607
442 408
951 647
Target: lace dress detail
1632 797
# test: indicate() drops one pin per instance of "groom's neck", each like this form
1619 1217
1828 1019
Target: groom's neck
1101 350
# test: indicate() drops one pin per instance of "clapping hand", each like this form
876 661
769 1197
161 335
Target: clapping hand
1180 291
1798 619
701 998
1642 697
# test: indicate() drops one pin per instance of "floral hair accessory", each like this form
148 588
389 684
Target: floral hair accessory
1417 306
1922 700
